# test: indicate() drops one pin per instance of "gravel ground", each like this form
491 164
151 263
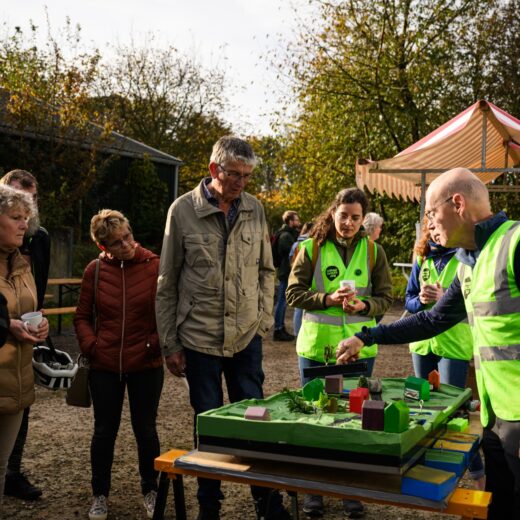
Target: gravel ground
57 452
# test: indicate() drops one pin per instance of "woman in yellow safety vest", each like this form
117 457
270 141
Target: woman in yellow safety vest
434 269
337 250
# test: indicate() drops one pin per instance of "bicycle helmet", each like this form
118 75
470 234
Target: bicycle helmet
53 368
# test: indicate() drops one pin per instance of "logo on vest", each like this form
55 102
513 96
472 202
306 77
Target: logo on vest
467 287
331 272
425 274
358 272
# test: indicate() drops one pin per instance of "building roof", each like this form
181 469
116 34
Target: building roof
114 144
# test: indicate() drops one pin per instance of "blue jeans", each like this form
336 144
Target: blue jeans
244 379
308 363
453 372
281 305
297 320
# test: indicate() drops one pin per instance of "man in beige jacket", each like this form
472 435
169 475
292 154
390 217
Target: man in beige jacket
215 296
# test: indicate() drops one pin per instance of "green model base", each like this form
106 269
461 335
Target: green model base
337 431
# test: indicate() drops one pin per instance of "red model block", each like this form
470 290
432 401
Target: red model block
434 379
356 398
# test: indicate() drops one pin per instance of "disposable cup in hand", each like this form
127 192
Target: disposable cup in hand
32 319
348 284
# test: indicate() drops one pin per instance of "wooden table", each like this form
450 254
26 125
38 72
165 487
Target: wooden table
65 286
298 478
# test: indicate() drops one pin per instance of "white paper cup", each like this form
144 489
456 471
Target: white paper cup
348 284
32 319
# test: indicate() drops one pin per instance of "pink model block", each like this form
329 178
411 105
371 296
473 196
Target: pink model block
356 398
257 413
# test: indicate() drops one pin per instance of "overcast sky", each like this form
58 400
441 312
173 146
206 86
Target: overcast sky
230 33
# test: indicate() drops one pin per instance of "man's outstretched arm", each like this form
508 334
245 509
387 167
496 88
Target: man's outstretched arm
446 313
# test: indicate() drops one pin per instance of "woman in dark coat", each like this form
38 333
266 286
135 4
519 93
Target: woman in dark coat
116 329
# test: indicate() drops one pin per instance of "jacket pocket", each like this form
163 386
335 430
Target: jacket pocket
185 307
201 250
250 250
153 349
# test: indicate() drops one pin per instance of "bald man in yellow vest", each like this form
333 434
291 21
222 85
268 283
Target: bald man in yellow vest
486 290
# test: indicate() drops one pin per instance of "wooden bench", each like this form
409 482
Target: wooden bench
293 478
164 465
59 311
54 311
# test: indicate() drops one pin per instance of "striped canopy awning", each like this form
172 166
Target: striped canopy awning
483 138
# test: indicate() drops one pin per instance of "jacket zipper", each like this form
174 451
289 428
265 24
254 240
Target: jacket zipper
19 350
123 323
151 313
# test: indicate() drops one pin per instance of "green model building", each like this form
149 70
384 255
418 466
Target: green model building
397 416
416 388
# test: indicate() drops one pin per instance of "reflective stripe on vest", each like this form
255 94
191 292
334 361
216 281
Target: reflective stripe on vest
492 301
338 321
454 343
509 353
326 328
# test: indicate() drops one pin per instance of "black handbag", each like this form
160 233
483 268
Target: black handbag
79 392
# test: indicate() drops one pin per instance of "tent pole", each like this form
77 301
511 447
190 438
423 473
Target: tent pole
423 196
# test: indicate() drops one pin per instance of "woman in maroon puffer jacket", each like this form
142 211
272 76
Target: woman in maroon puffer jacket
122 345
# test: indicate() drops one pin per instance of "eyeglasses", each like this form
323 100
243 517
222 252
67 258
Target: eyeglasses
430 215
118 244
235 175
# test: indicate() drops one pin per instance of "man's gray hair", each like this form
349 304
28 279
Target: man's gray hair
14 199
232 149
372 221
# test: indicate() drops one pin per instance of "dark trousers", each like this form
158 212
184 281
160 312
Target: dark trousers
281 304
501 445
244 379
108 394
14 466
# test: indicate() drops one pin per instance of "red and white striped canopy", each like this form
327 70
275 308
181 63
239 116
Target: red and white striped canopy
457 143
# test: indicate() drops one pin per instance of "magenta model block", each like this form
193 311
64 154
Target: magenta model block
373 415
334 384
257 413
356 398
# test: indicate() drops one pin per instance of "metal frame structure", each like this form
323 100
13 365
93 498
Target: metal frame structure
484 107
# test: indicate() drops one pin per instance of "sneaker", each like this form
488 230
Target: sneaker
18 485
99 508
149 502
353 508
313 505
283 335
